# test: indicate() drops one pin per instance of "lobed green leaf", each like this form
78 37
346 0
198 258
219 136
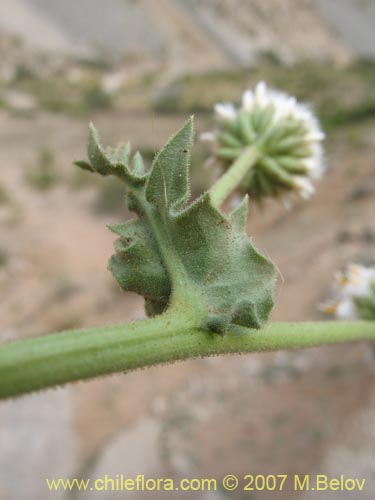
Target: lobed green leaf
233 281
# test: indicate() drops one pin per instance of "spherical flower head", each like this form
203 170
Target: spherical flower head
286 135
353 294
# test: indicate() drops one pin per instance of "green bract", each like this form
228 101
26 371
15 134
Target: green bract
282 151
190 257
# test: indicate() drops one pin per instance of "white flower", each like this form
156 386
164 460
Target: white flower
356 283
356 280
286 134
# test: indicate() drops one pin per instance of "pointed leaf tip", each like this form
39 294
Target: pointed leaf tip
238 215
138 164
97 156
168 183
83 165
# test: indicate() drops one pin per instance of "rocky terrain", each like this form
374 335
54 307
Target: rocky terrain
178 35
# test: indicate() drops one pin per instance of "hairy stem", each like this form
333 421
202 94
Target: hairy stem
232 178
55 359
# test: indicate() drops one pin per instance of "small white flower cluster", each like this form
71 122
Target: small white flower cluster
286 133
353 288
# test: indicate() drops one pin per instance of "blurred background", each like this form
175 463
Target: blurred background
137 69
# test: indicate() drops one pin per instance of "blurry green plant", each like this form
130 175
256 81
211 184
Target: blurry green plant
43 176
23 72
4 195
3 257
207 289
96 98
60 93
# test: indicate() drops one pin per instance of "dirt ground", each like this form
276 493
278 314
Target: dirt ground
283 413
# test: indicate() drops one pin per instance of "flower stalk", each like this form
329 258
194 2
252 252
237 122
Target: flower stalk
59 358
233 177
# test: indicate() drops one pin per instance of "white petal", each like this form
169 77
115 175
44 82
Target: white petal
261 94
346 310
314 136
248 100
359 281
291 102
207 137
225 111
310 164
303 186
314 167
316 160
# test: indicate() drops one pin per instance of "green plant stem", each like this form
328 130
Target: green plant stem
229 181
55 359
